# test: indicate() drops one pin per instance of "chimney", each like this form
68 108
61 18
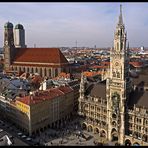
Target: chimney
31 97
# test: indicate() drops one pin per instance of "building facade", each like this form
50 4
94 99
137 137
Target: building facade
108 107
40 110
47 62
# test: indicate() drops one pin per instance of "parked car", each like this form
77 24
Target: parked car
24 136
11 137
1 130
29 139
19 134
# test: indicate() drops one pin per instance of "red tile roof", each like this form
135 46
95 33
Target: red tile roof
45 95
65 89
105 63
99 66
62 75
93 73
40 55
41 65
136 64
37 79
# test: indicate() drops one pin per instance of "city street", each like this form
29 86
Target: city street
11 131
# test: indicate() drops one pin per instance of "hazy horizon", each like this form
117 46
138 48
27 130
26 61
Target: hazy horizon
61 24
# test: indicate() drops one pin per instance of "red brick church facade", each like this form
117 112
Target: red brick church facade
47 62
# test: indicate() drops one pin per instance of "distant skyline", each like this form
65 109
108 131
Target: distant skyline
62 24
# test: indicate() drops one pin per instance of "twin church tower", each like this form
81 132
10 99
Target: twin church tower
16 35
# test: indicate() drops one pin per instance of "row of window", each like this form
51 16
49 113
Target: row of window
33 70
138 120
36 70
97 116
99 100
104 111
93 107
138 128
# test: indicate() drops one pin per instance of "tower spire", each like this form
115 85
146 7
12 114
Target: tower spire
120 16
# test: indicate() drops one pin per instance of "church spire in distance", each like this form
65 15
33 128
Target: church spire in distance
120 16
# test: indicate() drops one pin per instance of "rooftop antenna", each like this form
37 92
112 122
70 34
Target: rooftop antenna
76 44
95 46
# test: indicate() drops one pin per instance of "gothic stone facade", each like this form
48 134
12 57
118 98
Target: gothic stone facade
105 106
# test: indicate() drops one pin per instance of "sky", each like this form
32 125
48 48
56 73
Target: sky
62 24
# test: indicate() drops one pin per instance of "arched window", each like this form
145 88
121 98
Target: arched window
114 74
56 72
40 71
23 69
45 72
19 69
28 69
32 69
117 46
121 45
114 116
49 72
121 32
118 75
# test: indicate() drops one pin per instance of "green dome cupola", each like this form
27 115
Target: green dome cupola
19 26
8 25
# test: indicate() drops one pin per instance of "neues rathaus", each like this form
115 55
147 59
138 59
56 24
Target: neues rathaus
116 108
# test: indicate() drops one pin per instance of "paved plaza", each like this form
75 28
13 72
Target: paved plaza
70 135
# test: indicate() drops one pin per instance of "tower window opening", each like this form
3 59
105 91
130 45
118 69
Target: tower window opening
121 45
114 74
118 75
117 46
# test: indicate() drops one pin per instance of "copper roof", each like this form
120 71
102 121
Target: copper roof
39 55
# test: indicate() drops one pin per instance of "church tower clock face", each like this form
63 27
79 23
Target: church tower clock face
6 42
116 64
117 82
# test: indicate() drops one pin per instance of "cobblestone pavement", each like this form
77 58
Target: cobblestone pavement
67 136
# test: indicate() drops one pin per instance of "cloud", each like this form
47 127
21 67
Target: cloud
61 24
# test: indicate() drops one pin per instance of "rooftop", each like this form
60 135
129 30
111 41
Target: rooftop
39 55
139 99
97 89
142 80
40 96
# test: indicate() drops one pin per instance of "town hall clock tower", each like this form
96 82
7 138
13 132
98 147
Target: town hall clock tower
118 84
